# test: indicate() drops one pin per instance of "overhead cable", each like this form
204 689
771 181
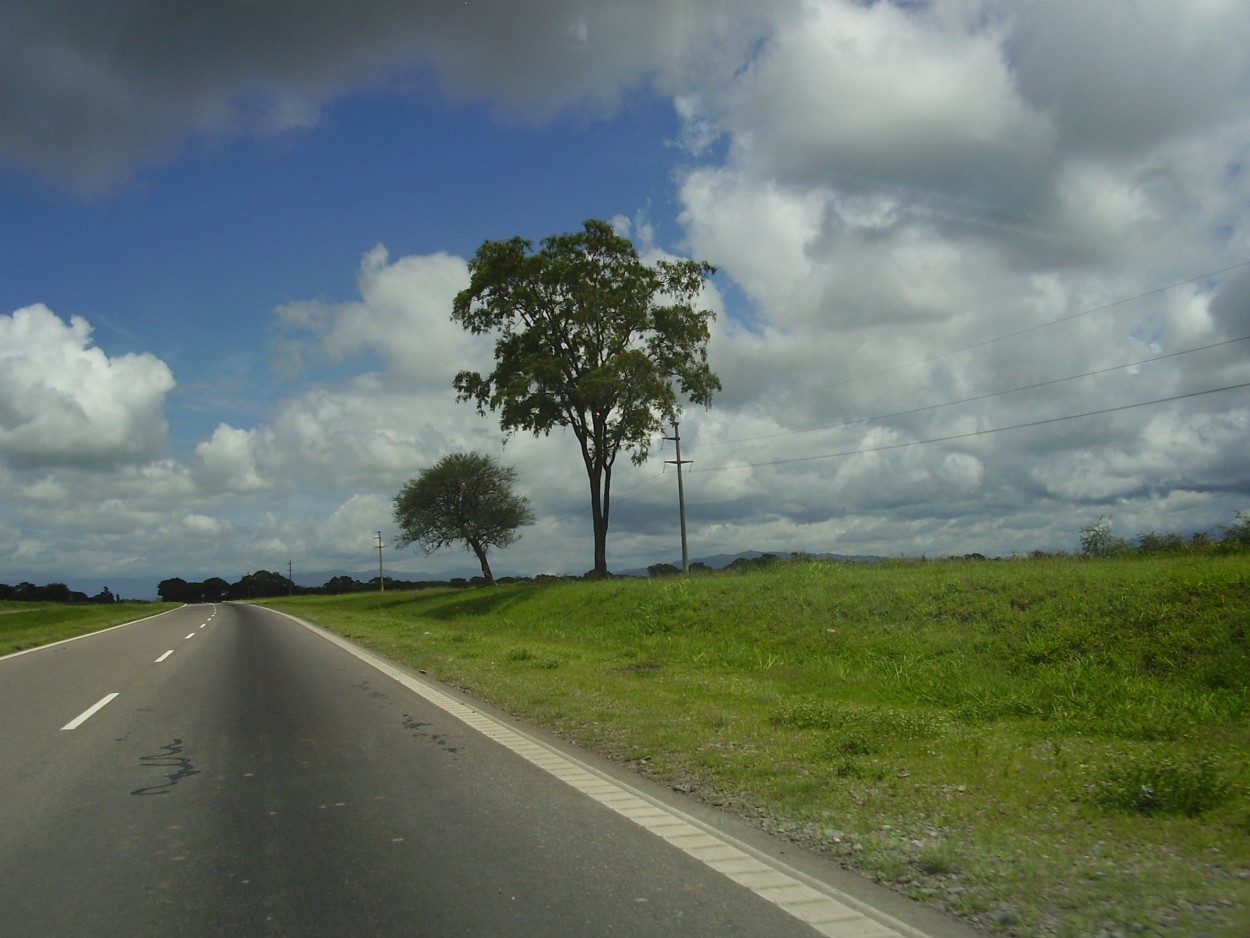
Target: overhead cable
1020 332
978 397
973 433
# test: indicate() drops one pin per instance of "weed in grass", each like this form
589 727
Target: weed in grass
936 859
893 869
981 707
858 745
808 715
1150 786
860 722
848 768
766 661
525 655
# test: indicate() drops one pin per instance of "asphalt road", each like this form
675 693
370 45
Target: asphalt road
226 769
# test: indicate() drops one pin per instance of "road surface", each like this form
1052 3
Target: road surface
227 769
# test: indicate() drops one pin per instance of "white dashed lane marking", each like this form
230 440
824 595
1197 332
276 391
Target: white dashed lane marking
89 713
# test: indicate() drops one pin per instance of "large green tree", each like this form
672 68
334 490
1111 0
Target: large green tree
464 498
589 337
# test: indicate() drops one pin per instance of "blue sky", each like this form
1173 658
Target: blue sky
229 246
188 259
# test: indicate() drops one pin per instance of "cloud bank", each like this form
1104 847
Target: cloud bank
95 92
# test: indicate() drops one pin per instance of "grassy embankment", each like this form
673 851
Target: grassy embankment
28 625
1048 747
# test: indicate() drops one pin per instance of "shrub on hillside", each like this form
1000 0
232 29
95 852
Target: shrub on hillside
1162 786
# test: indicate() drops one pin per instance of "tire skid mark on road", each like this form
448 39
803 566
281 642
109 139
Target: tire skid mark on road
169 757
827 910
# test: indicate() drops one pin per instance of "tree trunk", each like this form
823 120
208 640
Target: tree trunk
481 558
599 516
600 572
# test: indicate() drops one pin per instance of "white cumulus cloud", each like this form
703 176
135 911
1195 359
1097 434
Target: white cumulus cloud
64 401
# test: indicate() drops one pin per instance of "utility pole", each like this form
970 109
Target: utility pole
381 578
290 583
681 496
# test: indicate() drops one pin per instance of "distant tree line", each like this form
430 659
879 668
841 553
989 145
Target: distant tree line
53 593
737 565
216 590
1099 540
265 583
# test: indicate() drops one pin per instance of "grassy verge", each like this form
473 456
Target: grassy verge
1046 747
28 625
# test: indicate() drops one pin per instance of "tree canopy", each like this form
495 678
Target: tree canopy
589 337
464 498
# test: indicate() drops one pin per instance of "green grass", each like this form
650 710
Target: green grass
28 625
1047 747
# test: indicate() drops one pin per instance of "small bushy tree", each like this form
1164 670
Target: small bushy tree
1151 542
1237 535
464 498
1097 540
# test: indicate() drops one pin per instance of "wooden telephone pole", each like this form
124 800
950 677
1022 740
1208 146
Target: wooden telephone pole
681 496
381 578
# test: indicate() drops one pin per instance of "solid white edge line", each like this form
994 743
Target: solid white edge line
66 641
163 657
828 910
89 713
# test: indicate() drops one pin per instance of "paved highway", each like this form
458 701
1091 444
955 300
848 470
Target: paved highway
227 769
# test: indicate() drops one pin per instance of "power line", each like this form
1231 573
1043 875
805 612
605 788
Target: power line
978 397
1012 335
652 481
972 433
